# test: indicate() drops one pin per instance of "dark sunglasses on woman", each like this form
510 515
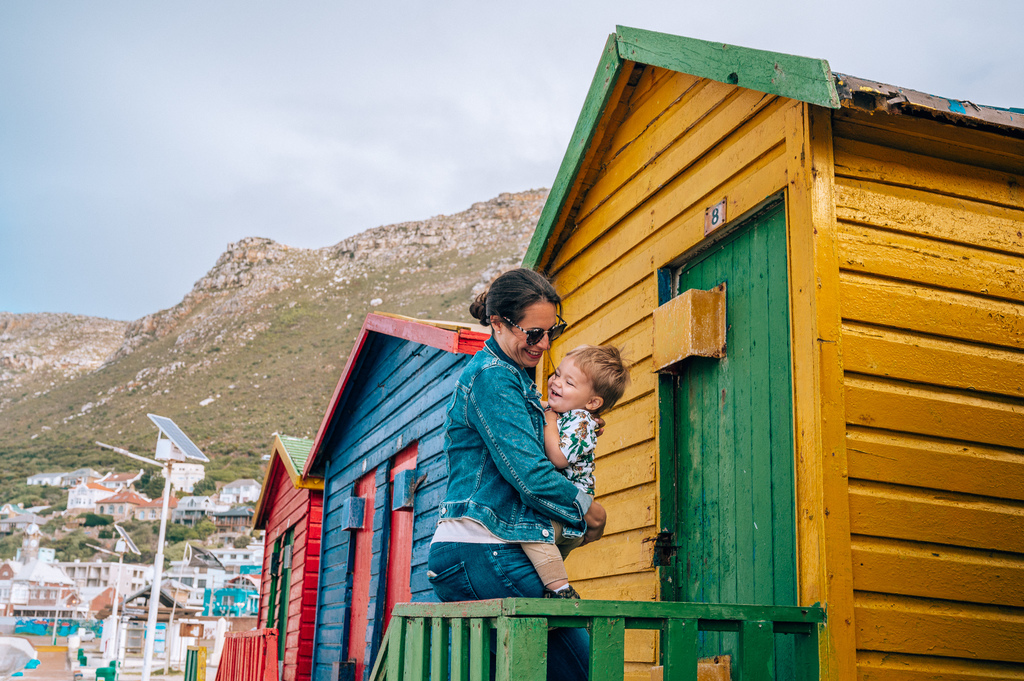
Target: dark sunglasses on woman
533 336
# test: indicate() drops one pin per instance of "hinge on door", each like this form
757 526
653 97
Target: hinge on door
664 548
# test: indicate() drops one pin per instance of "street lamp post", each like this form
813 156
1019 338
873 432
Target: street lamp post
176 447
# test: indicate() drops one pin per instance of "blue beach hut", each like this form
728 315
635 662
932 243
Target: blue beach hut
379 450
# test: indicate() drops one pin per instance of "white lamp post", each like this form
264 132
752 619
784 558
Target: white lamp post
124 543
174 447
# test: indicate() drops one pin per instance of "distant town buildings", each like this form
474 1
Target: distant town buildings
151 510
120 481
243 491
85 495
184 476
52 479
122 505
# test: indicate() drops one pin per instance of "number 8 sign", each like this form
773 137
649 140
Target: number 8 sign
714 217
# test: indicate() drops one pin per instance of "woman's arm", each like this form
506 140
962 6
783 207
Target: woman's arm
553 440
499 412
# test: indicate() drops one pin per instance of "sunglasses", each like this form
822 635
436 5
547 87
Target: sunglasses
533 336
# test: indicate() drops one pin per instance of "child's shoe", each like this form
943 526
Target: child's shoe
567 592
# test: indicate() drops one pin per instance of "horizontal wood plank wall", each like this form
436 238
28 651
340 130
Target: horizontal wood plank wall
399 396
301 509
683 144
932 293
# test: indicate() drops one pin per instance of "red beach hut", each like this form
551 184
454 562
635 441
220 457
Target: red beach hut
290 509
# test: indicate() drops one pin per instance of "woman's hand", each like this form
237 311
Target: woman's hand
600 426
596 518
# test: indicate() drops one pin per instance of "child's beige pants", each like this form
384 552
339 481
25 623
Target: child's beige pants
549 559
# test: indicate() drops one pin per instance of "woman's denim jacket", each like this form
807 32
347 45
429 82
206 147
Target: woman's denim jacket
498 474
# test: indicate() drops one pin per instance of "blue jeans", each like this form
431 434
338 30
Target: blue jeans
475 572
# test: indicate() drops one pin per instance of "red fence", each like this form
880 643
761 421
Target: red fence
249 656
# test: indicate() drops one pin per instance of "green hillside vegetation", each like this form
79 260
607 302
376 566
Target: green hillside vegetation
270 368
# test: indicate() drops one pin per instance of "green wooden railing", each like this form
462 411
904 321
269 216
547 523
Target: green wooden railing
439 641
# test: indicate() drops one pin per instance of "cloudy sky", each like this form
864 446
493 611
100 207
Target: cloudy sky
138 139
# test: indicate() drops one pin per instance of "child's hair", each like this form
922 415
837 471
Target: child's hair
606 369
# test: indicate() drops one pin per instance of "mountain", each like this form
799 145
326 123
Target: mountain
255 347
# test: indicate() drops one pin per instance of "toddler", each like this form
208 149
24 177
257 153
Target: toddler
589 380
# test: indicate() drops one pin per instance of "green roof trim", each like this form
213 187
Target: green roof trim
801 78
297 449
601 87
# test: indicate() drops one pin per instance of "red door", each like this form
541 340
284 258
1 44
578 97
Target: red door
400 545
365 488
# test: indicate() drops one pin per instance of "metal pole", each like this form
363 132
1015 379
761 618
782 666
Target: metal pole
117 595
154 589
167 636
56 618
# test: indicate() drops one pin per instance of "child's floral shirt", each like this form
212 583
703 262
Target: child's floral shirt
577 434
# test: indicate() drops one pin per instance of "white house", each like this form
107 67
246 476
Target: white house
119 481
80 475
191 510
241 491
184 476
53 479
85 495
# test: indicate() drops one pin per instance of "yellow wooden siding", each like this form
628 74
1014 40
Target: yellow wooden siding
681 144
931 257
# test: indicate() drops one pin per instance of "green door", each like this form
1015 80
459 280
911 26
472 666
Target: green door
732 519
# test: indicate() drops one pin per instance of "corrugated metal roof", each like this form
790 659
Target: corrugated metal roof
297 449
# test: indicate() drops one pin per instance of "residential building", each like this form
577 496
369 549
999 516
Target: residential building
184 476
233 559
19 523
119 481
40 589
53 479
241 491
10 510
238 519
94 573
84 496
151 510
193 509
200 570
81 475
121 505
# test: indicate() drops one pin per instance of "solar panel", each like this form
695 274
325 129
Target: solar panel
127 540
180 440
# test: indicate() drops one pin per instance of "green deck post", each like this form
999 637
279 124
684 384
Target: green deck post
757 651
438 649
607 648
522 649
396 649
679 650
458 634
479 649
416 649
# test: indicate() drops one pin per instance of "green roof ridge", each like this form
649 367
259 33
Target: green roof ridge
297 449
801 78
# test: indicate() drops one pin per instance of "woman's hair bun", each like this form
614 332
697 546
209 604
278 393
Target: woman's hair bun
478 309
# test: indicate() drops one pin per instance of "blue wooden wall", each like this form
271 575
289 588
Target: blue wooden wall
397 394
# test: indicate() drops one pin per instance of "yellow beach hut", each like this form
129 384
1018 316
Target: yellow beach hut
822 281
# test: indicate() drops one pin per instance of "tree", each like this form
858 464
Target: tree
241 541
97 519
204 487
72 546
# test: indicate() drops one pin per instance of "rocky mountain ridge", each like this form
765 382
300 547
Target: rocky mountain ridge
255 347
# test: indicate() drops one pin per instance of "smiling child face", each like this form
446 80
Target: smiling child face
569 388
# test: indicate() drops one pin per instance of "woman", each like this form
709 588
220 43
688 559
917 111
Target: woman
502 490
